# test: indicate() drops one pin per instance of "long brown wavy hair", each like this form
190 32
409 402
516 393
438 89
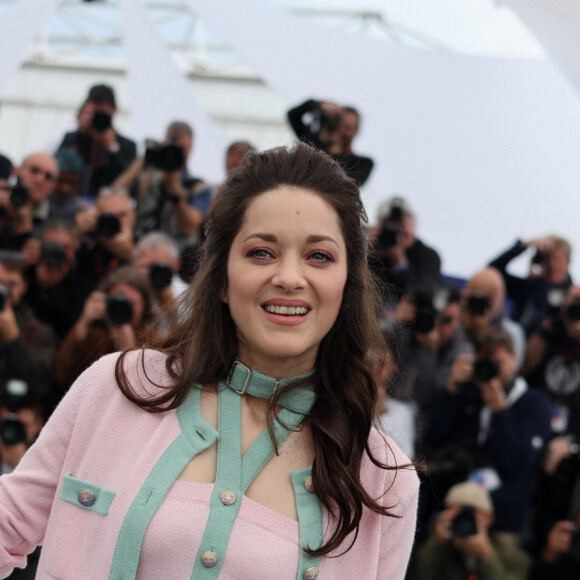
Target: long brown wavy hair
204 345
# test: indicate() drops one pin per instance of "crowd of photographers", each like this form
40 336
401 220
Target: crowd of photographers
490 369
484 385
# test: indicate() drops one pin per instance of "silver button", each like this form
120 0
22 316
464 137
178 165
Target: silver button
86 497
308 484
209 558
228 497
311 573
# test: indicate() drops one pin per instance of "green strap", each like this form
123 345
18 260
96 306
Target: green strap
234 474
197 435
309 519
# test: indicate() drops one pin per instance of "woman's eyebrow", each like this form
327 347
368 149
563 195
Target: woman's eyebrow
321 238
265 237
313 239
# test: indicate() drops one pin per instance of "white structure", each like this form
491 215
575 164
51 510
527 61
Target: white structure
485 149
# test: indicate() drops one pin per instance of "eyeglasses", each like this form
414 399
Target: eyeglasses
445 319
35 170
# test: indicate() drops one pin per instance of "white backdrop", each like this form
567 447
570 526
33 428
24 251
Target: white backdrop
485 149
160 93
557 27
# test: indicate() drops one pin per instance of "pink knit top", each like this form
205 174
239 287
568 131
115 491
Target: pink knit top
261 541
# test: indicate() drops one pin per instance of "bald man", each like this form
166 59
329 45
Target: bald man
483 306
21 217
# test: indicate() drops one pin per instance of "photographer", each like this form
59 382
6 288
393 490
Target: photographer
461 546
427 346
560 556
107 234
402 260
24 202
21 419
105 152
56 291
27 346
115 317
489 414
553 362
332 128
548 276
483 308
66 200
157 258
169 199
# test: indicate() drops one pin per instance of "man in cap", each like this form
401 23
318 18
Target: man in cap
461 546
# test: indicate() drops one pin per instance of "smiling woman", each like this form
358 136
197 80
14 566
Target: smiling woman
243 441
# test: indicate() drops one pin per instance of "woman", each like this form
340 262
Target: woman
272 364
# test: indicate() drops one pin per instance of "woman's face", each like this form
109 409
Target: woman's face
135 298
287 268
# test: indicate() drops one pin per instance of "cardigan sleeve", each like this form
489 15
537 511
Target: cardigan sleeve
398 533
27 494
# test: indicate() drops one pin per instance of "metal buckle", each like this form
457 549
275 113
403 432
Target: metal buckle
246 382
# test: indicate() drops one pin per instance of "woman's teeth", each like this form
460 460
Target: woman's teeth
287 310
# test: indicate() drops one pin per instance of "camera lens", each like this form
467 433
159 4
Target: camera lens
477 304
12 432
464 524
19 196
53 254
160 275
484 370
119 309
108 225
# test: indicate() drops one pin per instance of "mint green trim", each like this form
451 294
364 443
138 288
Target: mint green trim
243 380
310 521
71 486
235 473
197 436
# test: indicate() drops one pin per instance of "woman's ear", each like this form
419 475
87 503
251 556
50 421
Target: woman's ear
224 296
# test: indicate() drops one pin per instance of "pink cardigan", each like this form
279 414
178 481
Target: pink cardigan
98 437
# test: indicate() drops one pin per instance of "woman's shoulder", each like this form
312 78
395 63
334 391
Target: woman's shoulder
144 370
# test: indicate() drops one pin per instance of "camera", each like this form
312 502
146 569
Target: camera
428 305
485 369
572 311
108 225
19 196
540 258
170 157
425 312
101 121
464 524
4 295
12 431
388 236
330 123
478 304
53 254
160 275
119 309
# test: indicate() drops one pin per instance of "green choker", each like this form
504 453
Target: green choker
243 379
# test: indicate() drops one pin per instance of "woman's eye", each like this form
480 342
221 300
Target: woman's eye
321 257
259 253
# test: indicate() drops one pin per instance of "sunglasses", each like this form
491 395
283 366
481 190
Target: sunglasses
35 170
